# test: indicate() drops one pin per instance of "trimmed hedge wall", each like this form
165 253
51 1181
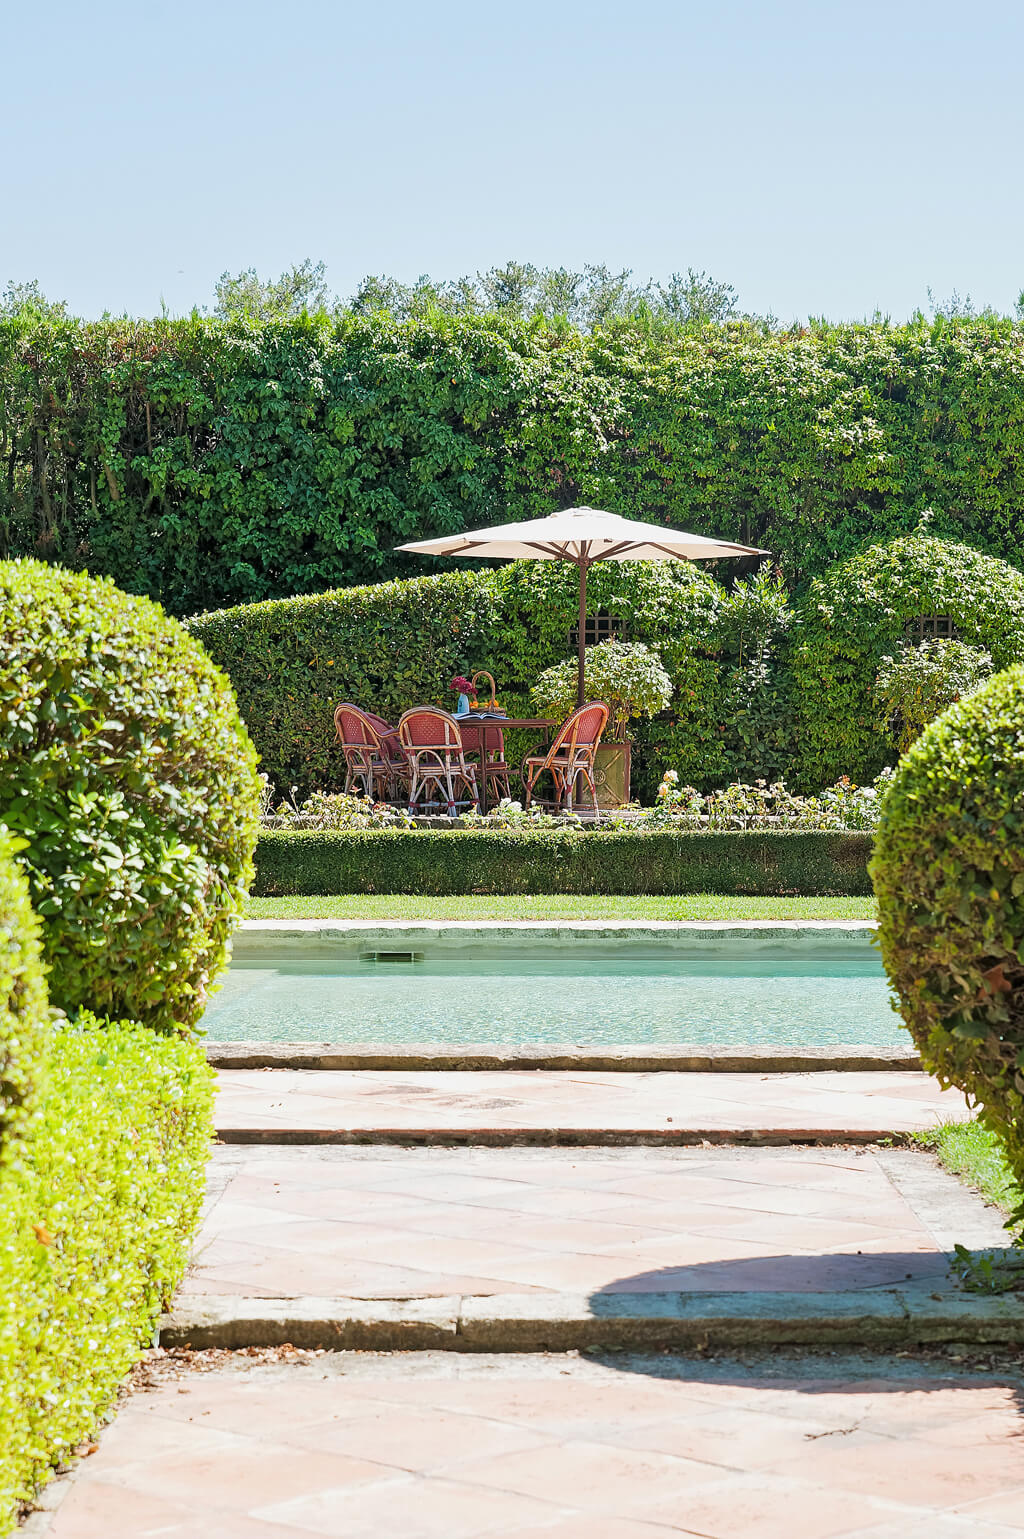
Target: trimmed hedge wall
205 464
560 861
99 1196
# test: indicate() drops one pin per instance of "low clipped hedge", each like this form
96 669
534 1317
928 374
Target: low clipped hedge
290 863
100 1192
127 772
949 874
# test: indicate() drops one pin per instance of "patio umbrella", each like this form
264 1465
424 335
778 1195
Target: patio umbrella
582 536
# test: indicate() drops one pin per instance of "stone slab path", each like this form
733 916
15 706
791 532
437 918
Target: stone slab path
308 1105
431 1446
378 1223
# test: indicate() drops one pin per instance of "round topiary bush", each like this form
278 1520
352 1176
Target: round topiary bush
859 612
948 871
24 1008
125 767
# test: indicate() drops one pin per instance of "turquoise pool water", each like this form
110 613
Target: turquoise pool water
785 999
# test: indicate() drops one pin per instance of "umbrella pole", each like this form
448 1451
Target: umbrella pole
580 666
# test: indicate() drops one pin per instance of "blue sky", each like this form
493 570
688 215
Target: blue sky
824 158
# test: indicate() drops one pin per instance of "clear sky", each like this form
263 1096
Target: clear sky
825 158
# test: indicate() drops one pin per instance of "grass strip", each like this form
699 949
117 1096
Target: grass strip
545 906
970 1151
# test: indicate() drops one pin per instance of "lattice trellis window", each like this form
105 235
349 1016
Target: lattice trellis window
599 627
927 627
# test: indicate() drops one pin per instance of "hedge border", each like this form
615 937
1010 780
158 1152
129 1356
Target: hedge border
780 863
100 1194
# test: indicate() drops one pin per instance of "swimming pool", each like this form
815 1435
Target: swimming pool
730 987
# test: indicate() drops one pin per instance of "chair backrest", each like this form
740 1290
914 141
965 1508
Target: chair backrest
582 730
355 728
426 726
385 731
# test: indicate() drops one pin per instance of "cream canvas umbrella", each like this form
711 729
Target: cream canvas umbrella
582 536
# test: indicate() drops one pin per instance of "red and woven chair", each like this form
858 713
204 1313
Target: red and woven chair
438 767
492 763
373 755
572 754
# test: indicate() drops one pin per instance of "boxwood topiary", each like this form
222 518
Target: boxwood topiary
125 767
948 870
24 1008
858 612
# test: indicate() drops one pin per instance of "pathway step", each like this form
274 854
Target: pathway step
635 1060
791 1446
635 1322
522 1250
508 1106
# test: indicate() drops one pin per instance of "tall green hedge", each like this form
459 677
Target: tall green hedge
207 466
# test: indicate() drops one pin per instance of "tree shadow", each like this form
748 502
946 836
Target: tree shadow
891 1281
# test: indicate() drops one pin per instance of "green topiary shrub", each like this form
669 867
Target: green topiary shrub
24 1007
948 870
125 768
99 1197
626 675
859 612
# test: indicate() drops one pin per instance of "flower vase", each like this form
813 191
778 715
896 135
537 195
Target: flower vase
463 705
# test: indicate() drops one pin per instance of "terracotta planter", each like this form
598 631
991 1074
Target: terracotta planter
611 773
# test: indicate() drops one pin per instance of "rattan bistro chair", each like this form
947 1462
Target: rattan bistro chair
438 765
373 755
571 755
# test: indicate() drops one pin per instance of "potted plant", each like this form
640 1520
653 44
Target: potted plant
631 680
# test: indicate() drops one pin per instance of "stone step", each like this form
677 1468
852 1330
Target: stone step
575 1107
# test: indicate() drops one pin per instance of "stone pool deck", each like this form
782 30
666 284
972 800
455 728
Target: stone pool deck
560 1107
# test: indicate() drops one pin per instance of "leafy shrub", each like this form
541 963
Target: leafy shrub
24 1007
99 1196
858 612
209 465
126 770
561 860
949 874
920 682
626 675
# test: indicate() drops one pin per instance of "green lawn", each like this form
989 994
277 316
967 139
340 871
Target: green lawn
696 906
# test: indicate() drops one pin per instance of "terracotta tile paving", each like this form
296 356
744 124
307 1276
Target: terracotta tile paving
326 1099
436 1446
394 1223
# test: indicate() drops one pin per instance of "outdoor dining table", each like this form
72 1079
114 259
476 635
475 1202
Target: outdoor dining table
486 724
